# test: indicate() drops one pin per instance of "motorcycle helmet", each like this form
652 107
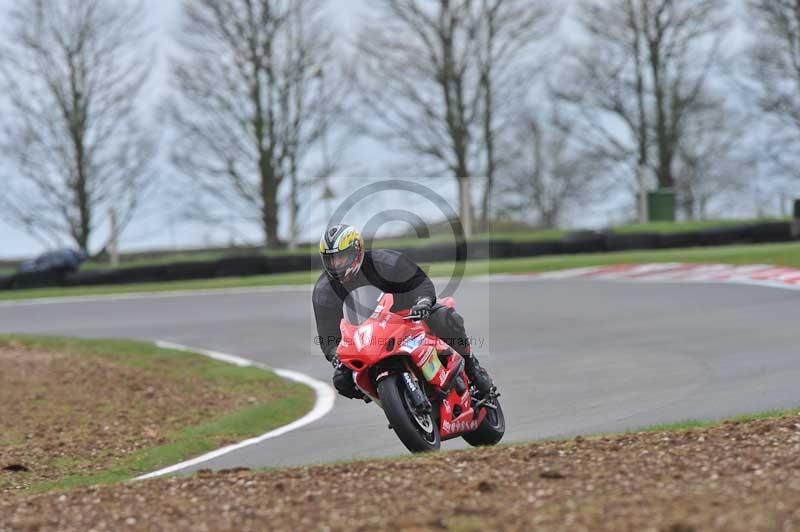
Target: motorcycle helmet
342 250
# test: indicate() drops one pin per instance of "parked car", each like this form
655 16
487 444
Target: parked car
61 261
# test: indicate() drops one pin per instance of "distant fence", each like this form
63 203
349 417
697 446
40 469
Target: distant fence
573 243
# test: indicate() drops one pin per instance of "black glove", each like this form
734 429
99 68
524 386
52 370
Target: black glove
422 308
344 384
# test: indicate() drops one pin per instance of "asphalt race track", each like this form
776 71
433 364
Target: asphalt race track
569 356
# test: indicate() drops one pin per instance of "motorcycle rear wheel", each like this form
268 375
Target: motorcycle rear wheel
418 432
491 430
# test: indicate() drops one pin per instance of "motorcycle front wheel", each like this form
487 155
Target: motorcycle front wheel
418 431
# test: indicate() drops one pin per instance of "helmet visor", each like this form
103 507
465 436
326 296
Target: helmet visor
338 263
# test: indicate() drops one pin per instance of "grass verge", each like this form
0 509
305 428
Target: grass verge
786 254
692 424
247 402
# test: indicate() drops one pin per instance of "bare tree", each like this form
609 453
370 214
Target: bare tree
72 72
711 162
637 74
437 77
509 38
775 75
551 172
257 86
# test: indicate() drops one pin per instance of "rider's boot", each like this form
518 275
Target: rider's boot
477 375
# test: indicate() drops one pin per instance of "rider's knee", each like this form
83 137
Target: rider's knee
437 317
445 319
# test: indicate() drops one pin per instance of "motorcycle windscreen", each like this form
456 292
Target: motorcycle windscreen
361 304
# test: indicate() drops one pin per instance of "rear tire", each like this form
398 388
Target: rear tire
491 430
409 427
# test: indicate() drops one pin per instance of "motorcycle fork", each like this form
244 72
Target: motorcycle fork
415 387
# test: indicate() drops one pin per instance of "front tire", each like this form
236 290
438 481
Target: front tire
418 432
491 430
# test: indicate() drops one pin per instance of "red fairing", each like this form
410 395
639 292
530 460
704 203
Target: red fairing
387 334
466 422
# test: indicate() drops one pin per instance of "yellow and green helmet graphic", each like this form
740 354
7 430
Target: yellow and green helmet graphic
342 251
339 238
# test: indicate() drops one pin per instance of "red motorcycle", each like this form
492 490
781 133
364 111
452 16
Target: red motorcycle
416 378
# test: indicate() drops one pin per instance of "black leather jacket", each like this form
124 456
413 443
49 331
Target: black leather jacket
387 270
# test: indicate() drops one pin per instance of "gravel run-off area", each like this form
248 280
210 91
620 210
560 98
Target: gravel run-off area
737 476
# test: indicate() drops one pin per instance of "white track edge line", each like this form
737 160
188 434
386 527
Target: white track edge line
322 406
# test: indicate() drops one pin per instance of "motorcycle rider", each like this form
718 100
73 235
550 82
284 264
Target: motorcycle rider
348 265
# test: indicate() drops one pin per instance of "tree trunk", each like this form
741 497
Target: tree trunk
269 212
269 202
293 208
113 240
77 130
688 200
84 229
465 205
641 132
644 214
663 139
488 114
549 219
490 153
